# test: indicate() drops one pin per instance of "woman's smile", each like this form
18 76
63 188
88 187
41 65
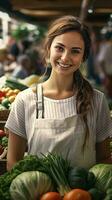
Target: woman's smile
63 66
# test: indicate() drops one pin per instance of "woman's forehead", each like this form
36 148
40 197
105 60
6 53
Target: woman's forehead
70 39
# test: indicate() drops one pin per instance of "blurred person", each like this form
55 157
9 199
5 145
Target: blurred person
3 60
105 62
23 68
36 62
92 69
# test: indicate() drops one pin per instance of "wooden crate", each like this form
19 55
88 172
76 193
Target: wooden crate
4 114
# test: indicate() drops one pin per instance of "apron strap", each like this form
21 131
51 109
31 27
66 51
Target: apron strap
39 102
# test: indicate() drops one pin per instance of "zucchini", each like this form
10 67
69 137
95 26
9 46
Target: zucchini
15 84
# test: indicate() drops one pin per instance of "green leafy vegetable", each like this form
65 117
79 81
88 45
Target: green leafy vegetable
29 163
103 174
31 184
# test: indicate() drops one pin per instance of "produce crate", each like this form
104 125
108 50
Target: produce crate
4 114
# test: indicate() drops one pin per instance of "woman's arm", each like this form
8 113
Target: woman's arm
16 149
103 152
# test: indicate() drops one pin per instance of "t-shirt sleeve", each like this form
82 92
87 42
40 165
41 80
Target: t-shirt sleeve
16 120
104 121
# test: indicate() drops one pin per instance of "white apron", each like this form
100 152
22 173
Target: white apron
62 136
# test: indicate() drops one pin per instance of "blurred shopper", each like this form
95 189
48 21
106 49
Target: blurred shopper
105 62
23 69
92 69
3 59
36 62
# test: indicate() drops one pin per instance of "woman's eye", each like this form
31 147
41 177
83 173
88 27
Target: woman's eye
75 51
58 48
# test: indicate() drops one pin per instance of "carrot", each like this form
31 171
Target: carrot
77 194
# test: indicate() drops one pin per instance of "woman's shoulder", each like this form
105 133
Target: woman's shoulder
27 93
98 96
97 92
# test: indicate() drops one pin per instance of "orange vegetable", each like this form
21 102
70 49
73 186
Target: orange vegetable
51 196
16 91
12 98
9 93
77 194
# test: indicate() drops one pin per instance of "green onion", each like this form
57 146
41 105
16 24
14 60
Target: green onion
58 168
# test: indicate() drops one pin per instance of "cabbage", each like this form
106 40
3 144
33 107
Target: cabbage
103 174
30 185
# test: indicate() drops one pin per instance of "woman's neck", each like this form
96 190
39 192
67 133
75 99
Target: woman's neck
58 88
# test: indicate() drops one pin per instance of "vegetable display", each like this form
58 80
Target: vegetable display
51 177
3 144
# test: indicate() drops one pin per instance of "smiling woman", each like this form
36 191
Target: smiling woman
64 114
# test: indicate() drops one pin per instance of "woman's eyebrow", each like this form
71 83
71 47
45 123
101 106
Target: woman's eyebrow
60 44
76 48
72 47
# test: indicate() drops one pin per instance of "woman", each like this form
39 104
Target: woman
64 114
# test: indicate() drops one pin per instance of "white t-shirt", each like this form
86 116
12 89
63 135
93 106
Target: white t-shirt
21 120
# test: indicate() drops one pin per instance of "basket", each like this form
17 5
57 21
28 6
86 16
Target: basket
4 114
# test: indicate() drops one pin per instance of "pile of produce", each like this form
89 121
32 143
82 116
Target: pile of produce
8 93
12 87
3 144
52 178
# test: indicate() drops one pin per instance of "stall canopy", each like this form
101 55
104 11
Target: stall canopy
96 12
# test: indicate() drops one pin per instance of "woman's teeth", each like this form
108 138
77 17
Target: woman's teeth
63 65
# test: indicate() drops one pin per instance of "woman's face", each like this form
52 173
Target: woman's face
66 53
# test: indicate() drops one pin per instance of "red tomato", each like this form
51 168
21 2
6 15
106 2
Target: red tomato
51 196
2 133
77 194
2 94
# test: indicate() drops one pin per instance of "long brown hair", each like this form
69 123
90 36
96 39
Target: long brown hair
84 89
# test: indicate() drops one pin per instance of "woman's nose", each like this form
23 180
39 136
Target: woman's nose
65 56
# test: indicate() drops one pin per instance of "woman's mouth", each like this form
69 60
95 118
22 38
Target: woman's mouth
64 66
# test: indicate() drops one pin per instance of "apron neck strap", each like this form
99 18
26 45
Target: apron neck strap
39 103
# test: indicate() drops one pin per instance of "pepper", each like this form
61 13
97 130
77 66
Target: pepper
2 94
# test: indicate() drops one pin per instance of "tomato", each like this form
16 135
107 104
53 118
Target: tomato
77 194
2 133
2 94
51 196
